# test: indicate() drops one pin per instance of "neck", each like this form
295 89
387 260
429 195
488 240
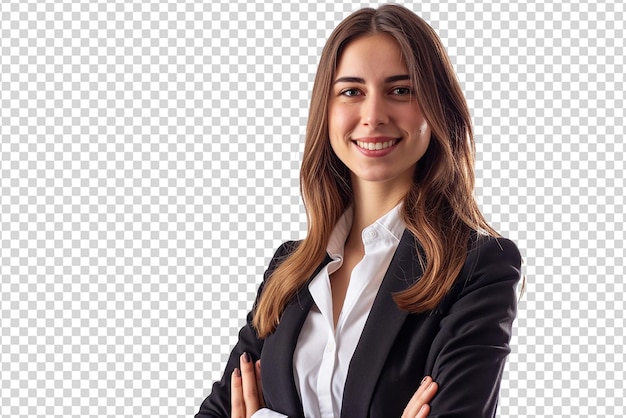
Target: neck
371 200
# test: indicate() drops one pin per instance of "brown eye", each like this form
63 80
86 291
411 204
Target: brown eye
350 92
402 91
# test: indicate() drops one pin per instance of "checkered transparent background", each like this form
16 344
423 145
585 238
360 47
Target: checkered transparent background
149 159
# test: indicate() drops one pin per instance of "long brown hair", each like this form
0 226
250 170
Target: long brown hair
439 209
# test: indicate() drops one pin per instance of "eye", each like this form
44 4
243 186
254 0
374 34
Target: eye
401 91
350 92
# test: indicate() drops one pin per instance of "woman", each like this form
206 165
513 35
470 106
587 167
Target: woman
400 276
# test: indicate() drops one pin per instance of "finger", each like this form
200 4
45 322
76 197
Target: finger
415 402
237 406
427 380
430 392
249 385
423 412
259 387
421 397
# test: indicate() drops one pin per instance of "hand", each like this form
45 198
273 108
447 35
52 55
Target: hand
418 405
246 395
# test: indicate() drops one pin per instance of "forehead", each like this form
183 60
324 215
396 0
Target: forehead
374 55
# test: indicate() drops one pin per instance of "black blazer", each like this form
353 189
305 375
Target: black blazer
462 344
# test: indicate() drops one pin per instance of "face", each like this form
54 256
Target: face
375 124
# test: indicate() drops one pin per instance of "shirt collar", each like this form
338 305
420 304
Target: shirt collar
391 221
340 233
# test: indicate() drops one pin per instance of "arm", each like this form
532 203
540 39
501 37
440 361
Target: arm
218 403
469 352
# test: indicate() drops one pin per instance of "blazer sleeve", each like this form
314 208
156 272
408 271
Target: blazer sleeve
470 349
217 404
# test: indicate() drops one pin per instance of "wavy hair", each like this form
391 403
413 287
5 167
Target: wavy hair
439 209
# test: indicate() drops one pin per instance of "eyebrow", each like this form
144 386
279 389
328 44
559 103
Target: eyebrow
360 80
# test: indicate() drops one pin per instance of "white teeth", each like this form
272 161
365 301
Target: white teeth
376 145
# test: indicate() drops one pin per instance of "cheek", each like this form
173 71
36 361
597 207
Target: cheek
339 121
423 126
424 138
420 126
424 132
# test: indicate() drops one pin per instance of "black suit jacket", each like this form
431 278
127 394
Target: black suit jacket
462 344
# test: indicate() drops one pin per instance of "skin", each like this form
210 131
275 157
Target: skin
371 98
370 102
247 394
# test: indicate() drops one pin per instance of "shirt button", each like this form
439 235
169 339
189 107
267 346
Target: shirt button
372 234
330 347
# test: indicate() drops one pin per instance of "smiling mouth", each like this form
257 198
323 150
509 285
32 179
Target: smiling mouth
375 146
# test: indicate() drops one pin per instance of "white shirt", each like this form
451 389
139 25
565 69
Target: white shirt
323 352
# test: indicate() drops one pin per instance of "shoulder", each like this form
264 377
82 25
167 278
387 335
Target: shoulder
493 262
492 269
489 249
283 252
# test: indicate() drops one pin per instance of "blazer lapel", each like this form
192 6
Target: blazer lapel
382 325
279 386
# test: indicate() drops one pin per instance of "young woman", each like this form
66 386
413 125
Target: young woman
399 276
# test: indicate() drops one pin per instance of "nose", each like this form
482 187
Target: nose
374 111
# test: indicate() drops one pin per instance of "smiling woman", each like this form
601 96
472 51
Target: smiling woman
401 298
375 124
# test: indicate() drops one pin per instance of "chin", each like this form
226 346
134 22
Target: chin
377 177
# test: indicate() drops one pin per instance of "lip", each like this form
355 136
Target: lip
376 140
